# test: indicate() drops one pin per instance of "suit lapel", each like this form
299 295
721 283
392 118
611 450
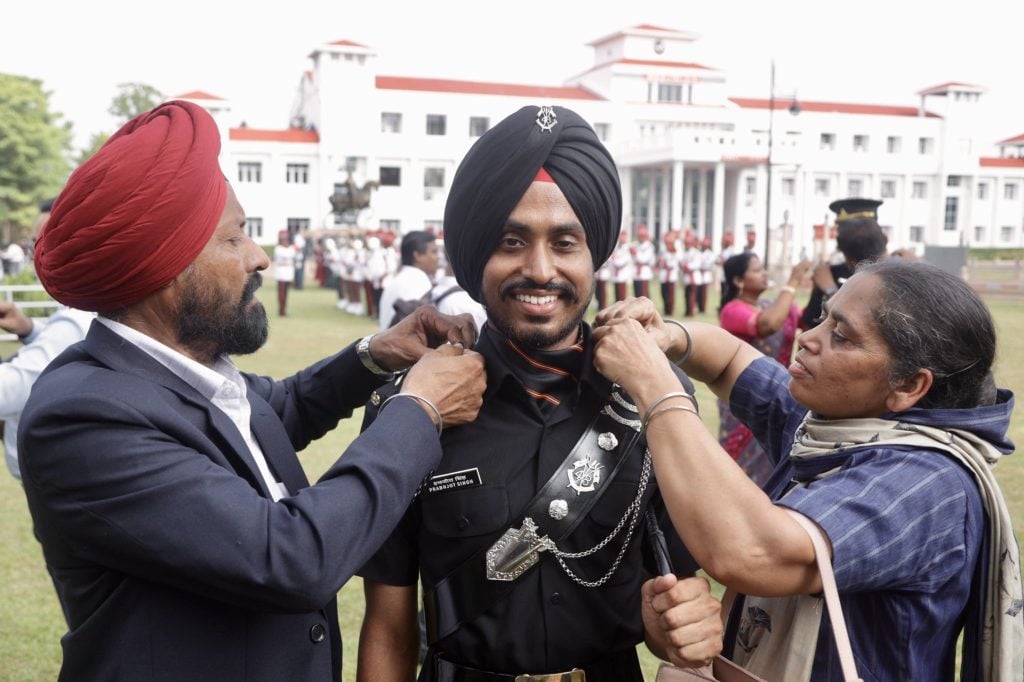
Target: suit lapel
276 445
120 354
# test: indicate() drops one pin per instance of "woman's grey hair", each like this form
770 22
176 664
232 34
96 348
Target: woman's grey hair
933 320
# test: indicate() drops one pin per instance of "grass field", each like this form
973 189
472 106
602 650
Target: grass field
30 620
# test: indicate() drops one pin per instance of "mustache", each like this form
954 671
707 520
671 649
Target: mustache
563 288
251 287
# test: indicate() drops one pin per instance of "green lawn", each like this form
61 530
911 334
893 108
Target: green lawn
30 620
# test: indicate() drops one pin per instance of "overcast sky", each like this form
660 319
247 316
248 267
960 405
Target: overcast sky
253 53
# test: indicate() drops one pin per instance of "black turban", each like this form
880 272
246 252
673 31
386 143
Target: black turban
498 170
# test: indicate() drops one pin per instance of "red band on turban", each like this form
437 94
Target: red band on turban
543 176
133 216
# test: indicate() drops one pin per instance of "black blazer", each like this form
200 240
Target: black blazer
170 558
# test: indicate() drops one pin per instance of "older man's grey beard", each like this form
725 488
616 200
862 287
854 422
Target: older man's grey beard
210 322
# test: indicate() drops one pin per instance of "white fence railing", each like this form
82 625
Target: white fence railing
27 296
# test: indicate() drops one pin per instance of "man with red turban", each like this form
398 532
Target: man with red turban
182 535
556 452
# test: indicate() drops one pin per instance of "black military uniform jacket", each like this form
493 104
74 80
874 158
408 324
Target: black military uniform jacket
497 464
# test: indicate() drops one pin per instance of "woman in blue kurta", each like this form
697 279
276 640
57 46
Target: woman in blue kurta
884 430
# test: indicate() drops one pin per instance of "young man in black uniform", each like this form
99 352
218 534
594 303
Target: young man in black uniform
859 238
529 536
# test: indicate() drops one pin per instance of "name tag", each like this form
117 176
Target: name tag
467 478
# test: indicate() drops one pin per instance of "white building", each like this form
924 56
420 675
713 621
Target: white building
691 155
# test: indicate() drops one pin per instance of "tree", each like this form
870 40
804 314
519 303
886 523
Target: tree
34 142
132 99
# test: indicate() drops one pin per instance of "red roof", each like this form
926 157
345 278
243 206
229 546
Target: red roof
648 27
1018 139
347 43
478 88
831 107
998 162
656 62
287 135
197 94
936 89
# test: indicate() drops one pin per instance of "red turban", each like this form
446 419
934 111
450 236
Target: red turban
134 215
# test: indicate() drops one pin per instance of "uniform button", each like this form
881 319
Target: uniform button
462 523
375 399
556 598
317 633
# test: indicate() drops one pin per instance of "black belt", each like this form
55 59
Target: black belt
618 666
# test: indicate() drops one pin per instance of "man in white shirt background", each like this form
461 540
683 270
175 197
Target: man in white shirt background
413 280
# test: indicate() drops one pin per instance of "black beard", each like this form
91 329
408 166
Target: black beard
208 322
537 339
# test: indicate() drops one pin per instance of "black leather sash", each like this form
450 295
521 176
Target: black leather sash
466 592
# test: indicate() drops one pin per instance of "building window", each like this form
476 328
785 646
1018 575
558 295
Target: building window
828 142
925 145
478 125
920 190
855 188
949 222
254 227
953 181
751 186
298 225
436 124
297 173
788 186
916 234
892 144
821 187
983 190
602 130
1006 234
860 143
668 92
390 122
390 176
979 233
888 189
390 225
1010 191
249 171
433 177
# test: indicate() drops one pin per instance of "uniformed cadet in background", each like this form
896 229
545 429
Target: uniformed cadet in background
531 535
859 238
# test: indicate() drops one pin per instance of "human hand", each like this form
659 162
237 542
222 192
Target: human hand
643 311
401 346
799 273
628 355
453 379
822 276
683 619
13 320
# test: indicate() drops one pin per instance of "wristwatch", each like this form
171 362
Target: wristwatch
363 352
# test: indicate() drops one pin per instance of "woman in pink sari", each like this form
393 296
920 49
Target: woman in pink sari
770 326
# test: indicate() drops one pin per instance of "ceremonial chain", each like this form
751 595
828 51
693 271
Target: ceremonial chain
632 514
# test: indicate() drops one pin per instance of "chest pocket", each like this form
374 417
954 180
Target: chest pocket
466 513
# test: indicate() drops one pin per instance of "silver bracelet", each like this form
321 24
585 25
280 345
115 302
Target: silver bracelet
669 408
363 353
671 394
689 341
420 399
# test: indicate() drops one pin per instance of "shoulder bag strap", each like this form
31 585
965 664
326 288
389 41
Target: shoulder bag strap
828 583
467 592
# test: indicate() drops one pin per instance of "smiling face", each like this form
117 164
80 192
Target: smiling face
842 367
538 281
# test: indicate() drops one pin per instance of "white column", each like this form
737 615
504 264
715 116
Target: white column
702 203
652 192
760 206
626 181
678 195
718 205
665 181
687 201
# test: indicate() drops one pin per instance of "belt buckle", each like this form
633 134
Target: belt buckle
574 675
